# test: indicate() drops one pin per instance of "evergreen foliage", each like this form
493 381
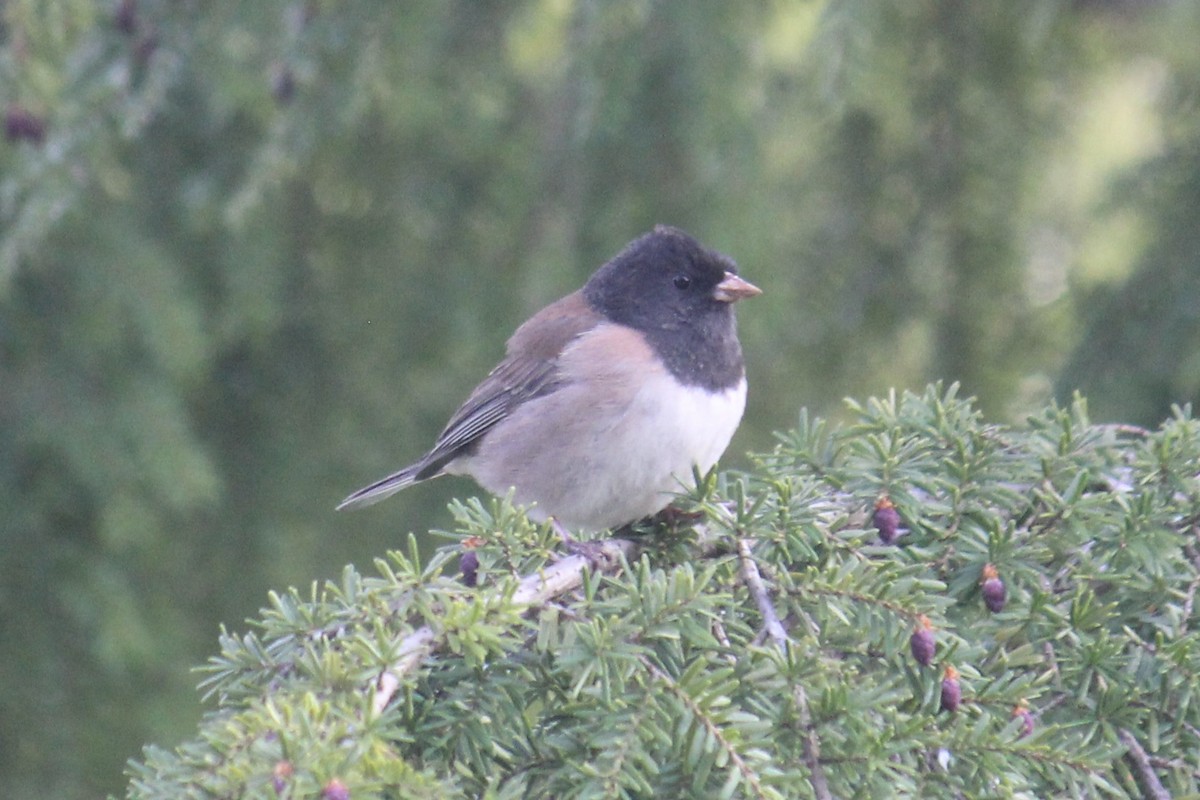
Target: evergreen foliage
253 253
763 650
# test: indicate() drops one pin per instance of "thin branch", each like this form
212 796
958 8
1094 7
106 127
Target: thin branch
1121 428
758 590
1052 660
566 574
1174 764
866 599
718 631
778 635
413 650
534 591
812 746
1142 767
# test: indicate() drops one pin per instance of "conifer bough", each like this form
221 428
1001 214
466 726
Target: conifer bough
772 650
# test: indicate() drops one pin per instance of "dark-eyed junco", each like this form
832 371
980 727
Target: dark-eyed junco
607 398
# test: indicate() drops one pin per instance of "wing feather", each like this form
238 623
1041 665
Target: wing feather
530 370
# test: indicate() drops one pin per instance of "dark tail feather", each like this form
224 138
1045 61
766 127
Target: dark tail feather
384 488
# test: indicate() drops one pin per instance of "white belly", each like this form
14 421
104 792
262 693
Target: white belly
670 429
611 463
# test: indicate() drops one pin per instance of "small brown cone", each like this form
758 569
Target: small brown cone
993 589
951 690
886 520
921 643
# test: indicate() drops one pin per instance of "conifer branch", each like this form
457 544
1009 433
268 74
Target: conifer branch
714 730
533 591
623 751
758 590
865 599
1042 756
565 575
292 694
777 633
1125 429
812 746
415 648
1142 767
1173 764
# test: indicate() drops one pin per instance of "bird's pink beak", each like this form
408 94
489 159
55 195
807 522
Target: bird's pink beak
734 288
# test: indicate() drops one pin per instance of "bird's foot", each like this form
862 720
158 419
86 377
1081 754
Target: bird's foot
594 552
675 516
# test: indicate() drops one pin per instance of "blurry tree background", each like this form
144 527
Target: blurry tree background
253 254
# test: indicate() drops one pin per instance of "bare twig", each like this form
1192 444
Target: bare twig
413 650
567 574
758 590
1142 767
721 636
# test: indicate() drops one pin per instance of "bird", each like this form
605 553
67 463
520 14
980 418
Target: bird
608 399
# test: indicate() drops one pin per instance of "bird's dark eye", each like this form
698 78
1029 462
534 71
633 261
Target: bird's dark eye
682 281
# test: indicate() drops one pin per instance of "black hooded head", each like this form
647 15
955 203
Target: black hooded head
667 285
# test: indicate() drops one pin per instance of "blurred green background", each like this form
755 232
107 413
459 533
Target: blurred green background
252 255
